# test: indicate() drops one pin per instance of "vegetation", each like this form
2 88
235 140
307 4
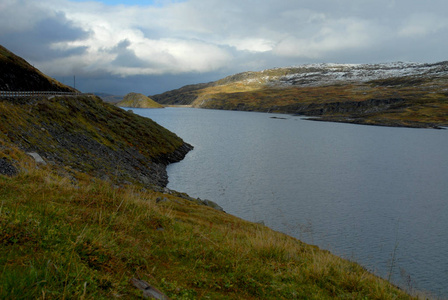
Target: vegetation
138 101
85 224
423 99
89 239
85 134
18 75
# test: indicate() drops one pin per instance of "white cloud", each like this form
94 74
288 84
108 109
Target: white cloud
421 24
200 36
334 35
108 26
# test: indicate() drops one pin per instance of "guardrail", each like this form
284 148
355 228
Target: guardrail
37 93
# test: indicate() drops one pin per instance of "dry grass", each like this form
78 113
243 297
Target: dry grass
87 240
425 101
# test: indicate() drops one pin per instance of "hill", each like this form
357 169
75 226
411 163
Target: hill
394 94
84 215
109 97
84 134
138 101
18 75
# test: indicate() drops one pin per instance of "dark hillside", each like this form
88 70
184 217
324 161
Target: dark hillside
85 134
19 75
183 96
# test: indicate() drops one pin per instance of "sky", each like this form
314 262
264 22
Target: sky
151 46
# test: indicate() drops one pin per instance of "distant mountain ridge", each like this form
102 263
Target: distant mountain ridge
109 97
393 94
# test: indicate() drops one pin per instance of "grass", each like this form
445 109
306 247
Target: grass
23 76
85 133
87 240
425 99
139 101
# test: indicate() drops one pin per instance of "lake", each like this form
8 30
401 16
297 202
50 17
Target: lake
375 195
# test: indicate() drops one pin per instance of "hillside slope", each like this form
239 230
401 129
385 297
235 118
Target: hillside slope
92 240
137 100
83 216
87 135
18 75
395 94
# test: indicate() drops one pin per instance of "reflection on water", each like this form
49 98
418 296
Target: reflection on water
376 195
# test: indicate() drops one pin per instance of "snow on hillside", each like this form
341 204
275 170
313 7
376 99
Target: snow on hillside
320 74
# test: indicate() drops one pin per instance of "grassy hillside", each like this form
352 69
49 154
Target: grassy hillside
138 101
334 94
87 240
18 75
85 134
94 218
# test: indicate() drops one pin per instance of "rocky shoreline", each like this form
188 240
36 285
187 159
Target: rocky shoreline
85 135
383 123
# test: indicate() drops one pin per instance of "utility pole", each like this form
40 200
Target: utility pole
74 82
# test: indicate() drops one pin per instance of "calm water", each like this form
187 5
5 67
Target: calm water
376 195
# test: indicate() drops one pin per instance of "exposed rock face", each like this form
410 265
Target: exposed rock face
391 94
358 107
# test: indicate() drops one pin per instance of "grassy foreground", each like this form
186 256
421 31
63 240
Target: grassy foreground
87 239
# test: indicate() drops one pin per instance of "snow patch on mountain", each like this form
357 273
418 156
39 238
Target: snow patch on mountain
324 74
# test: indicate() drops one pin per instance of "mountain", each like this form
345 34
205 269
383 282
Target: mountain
138 101
109 97
18 75
392 94
85 134
84 215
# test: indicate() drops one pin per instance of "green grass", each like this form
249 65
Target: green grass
60 240
138 101
62 128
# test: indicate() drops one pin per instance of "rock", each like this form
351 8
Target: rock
7 168
148 291
161 200
37 158
212 204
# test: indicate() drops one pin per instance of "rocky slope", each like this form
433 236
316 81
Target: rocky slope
84 134
18 75
137 100
394 94
80 134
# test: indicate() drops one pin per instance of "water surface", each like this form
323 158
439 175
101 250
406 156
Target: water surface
376 195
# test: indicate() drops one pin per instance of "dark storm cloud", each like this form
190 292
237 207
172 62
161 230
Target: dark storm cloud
37 43
203 40
126 57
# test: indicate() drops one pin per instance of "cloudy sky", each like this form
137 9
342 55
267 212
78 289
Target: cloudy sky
150 46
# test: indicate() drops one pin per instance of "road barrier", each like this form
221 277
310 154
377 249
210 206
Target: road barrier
37 93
